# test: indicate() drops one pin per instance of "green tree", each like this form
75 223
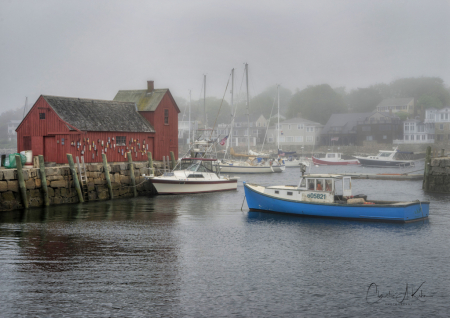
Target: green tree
429 101
363 100
316 103
421 86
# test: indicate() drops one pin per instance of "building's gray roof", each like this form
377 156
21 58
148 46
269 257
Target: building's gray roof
347 121
395 102
99 115
299 120
243 119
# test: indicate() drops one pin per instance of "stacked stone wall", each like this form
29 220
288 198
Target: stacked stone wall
439 175
61 187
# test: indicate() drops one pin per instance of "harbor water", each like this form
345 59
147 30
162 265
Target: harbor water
202 256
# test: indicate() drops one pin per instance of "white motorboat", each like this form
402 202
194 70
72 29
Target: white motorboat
386 158
334 159
195 175
291 162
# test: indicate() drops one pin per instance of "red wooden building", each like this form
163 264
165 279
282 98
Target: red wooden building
56 126
161 110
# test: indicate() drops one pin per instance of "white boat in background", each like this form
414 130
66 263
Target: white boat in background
252 166
194 175
334 159
291 162
386 158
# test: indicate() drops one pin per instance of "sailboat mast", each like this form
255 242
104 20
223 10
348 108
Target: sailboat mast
189 136
278 97
248 110
230 137
204 98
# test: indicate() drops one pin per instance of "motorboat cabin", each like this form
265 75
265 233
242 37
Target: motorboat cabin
315 188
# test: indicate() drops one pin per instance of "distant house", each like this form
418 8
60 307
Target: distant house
395 105
380 127
161 111
295 131
255 126
56 126
440 120
416 131
340 129
12 125
184 127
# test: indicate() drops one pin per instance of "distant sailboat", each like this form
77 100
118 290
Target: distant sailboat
254 163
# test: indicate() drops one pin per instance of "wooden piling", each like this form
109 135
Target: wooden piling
172 159
133 178
2 160
426 172
107 177
23 188
43 180
442 152
75 178
150 162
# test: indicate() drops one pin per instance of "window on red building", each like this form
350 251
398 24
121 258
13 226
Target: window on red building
121 141
41 115
166 116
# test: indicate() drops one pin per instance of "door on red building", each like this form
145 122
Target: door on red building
49 149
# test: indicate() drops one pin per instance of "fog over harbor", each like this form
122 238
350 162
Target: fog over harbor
92 49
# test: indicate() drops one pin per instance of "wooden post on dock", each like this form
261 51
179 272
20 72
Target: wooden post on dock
2 160
108 179
172 159
150 162
442 152
133 178
43 180
75 178
426 171
23 188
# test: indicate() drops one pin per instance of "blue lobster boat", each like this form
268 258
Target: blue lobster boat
315 195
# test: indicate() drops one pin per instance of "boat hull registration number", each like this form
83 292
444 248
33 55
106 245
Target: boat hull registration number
316 196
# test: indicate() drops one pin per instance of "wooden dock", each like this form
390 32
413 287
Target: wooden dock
385 176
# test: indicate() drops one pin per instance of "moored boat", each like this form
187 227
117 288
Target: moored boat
333 159
386 158
315 195
195 175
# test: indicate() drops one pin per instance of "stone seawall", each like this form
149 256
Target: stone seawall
61 187
437 178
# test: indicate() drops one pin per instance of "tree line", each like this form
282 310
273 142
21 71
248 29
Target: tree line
319 102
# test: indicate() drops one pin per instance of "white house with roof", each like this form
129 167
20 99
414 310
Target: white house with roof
416 132
396 105
440 119
295 131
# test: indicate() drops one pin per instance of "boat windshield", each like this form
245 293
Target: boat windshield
384 154
198 165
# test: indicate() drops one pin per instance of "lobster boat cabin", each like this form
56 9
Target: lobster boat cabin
329 195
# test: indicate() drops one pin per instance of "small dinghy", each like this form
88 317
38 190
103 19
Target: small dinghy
315 195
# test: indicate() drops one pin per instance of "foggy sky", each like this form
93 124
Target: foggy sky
92 49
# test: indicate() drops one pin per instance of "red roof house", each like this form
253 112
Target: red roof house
161 110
